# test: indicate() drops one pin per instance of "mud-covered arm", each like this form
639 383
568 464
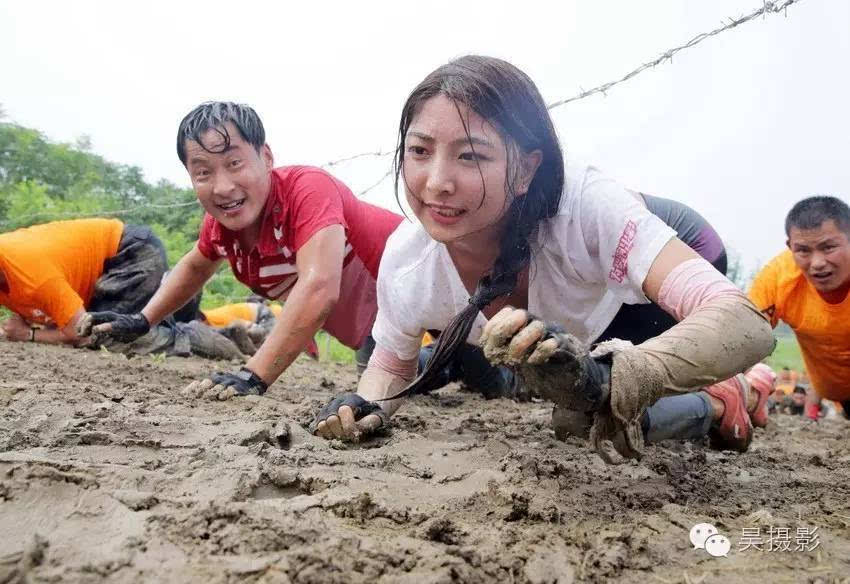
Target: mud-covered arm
720 333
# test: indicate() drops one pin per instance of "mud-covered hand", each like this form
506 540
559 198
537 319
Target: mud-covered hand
348 417
15 328
223 386
124 328
552 363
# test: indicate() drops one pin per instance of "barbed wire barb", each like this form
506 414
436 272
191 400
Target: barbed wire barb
377 154
379 181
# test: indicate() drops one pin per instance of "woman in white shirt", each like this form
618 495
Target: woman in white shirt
506 231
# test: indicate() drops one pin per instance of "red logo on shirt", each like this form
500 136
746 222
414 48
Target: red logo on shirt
621 254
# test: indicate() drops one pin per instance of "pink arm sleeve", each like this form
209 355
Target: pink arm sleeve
692 284
386 360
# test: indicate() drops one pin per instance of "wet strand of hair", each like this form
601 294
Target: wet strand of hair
457 331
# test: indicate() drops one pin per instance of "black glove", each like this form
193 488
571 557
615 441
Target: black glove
360 406
125 327
244 382
570 377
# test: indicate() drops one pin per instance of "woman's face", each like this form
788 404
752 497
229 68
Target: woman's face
454 181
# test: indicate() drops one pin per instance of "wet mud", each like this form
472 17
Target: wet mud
108 474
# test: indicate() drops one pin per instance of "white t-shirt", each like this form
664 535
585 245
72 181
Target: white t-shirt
587 261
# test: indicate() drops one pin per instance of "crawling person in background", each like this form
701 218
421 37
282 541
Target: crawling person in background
291 233
248 323
532 260
51 274
807 287
778 401
797 401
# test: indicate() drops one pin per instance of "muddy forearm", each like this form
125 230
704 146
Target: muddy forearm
184 281
715 342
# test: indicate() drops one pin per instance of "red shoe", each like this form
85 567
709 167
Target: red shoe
735 431
312 349
813 412
762 380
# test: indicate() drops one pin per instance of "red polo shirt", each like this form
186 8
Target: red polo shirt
303 200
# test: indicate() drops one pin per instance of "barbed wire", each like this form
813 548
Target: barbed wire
377 154
768 7
380 180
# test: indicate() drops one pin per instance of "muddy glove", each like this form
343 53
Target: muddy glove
223 386
124 328
243 382
551 362
348 416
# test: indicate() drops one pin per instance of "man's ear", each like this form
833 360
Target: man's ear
267 156
529 163
788 243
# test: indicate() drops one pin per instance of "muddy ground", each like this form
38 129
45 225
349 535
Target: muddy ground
108 474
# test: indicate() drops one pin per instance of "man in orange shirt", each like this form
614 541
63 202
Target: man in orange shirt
51 274
806 286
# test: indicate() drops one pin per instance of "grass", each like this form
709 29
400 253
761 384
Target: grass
786 354
331 349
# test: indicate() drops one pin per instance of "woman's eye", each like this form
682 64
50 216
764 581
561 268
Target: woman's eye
472 157
416 150
235 163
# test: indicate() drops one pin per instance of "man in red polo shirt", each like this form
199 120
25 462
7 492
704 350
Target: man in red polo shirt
293 233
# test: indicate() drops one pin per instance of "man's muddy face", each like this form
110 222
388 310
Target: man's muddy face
798 399
232 183
823 254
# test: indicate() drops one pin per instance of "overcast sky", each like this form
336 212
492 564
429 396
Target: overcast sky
739 127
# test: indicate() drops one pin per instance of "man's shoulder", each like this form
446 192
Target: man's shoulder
292 176
781 269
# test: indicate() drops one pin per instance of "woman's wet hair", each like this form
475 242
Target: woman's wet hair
213 115
509 101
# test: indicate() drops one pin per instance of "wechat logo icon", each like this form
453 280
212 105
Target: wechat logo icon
705 536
